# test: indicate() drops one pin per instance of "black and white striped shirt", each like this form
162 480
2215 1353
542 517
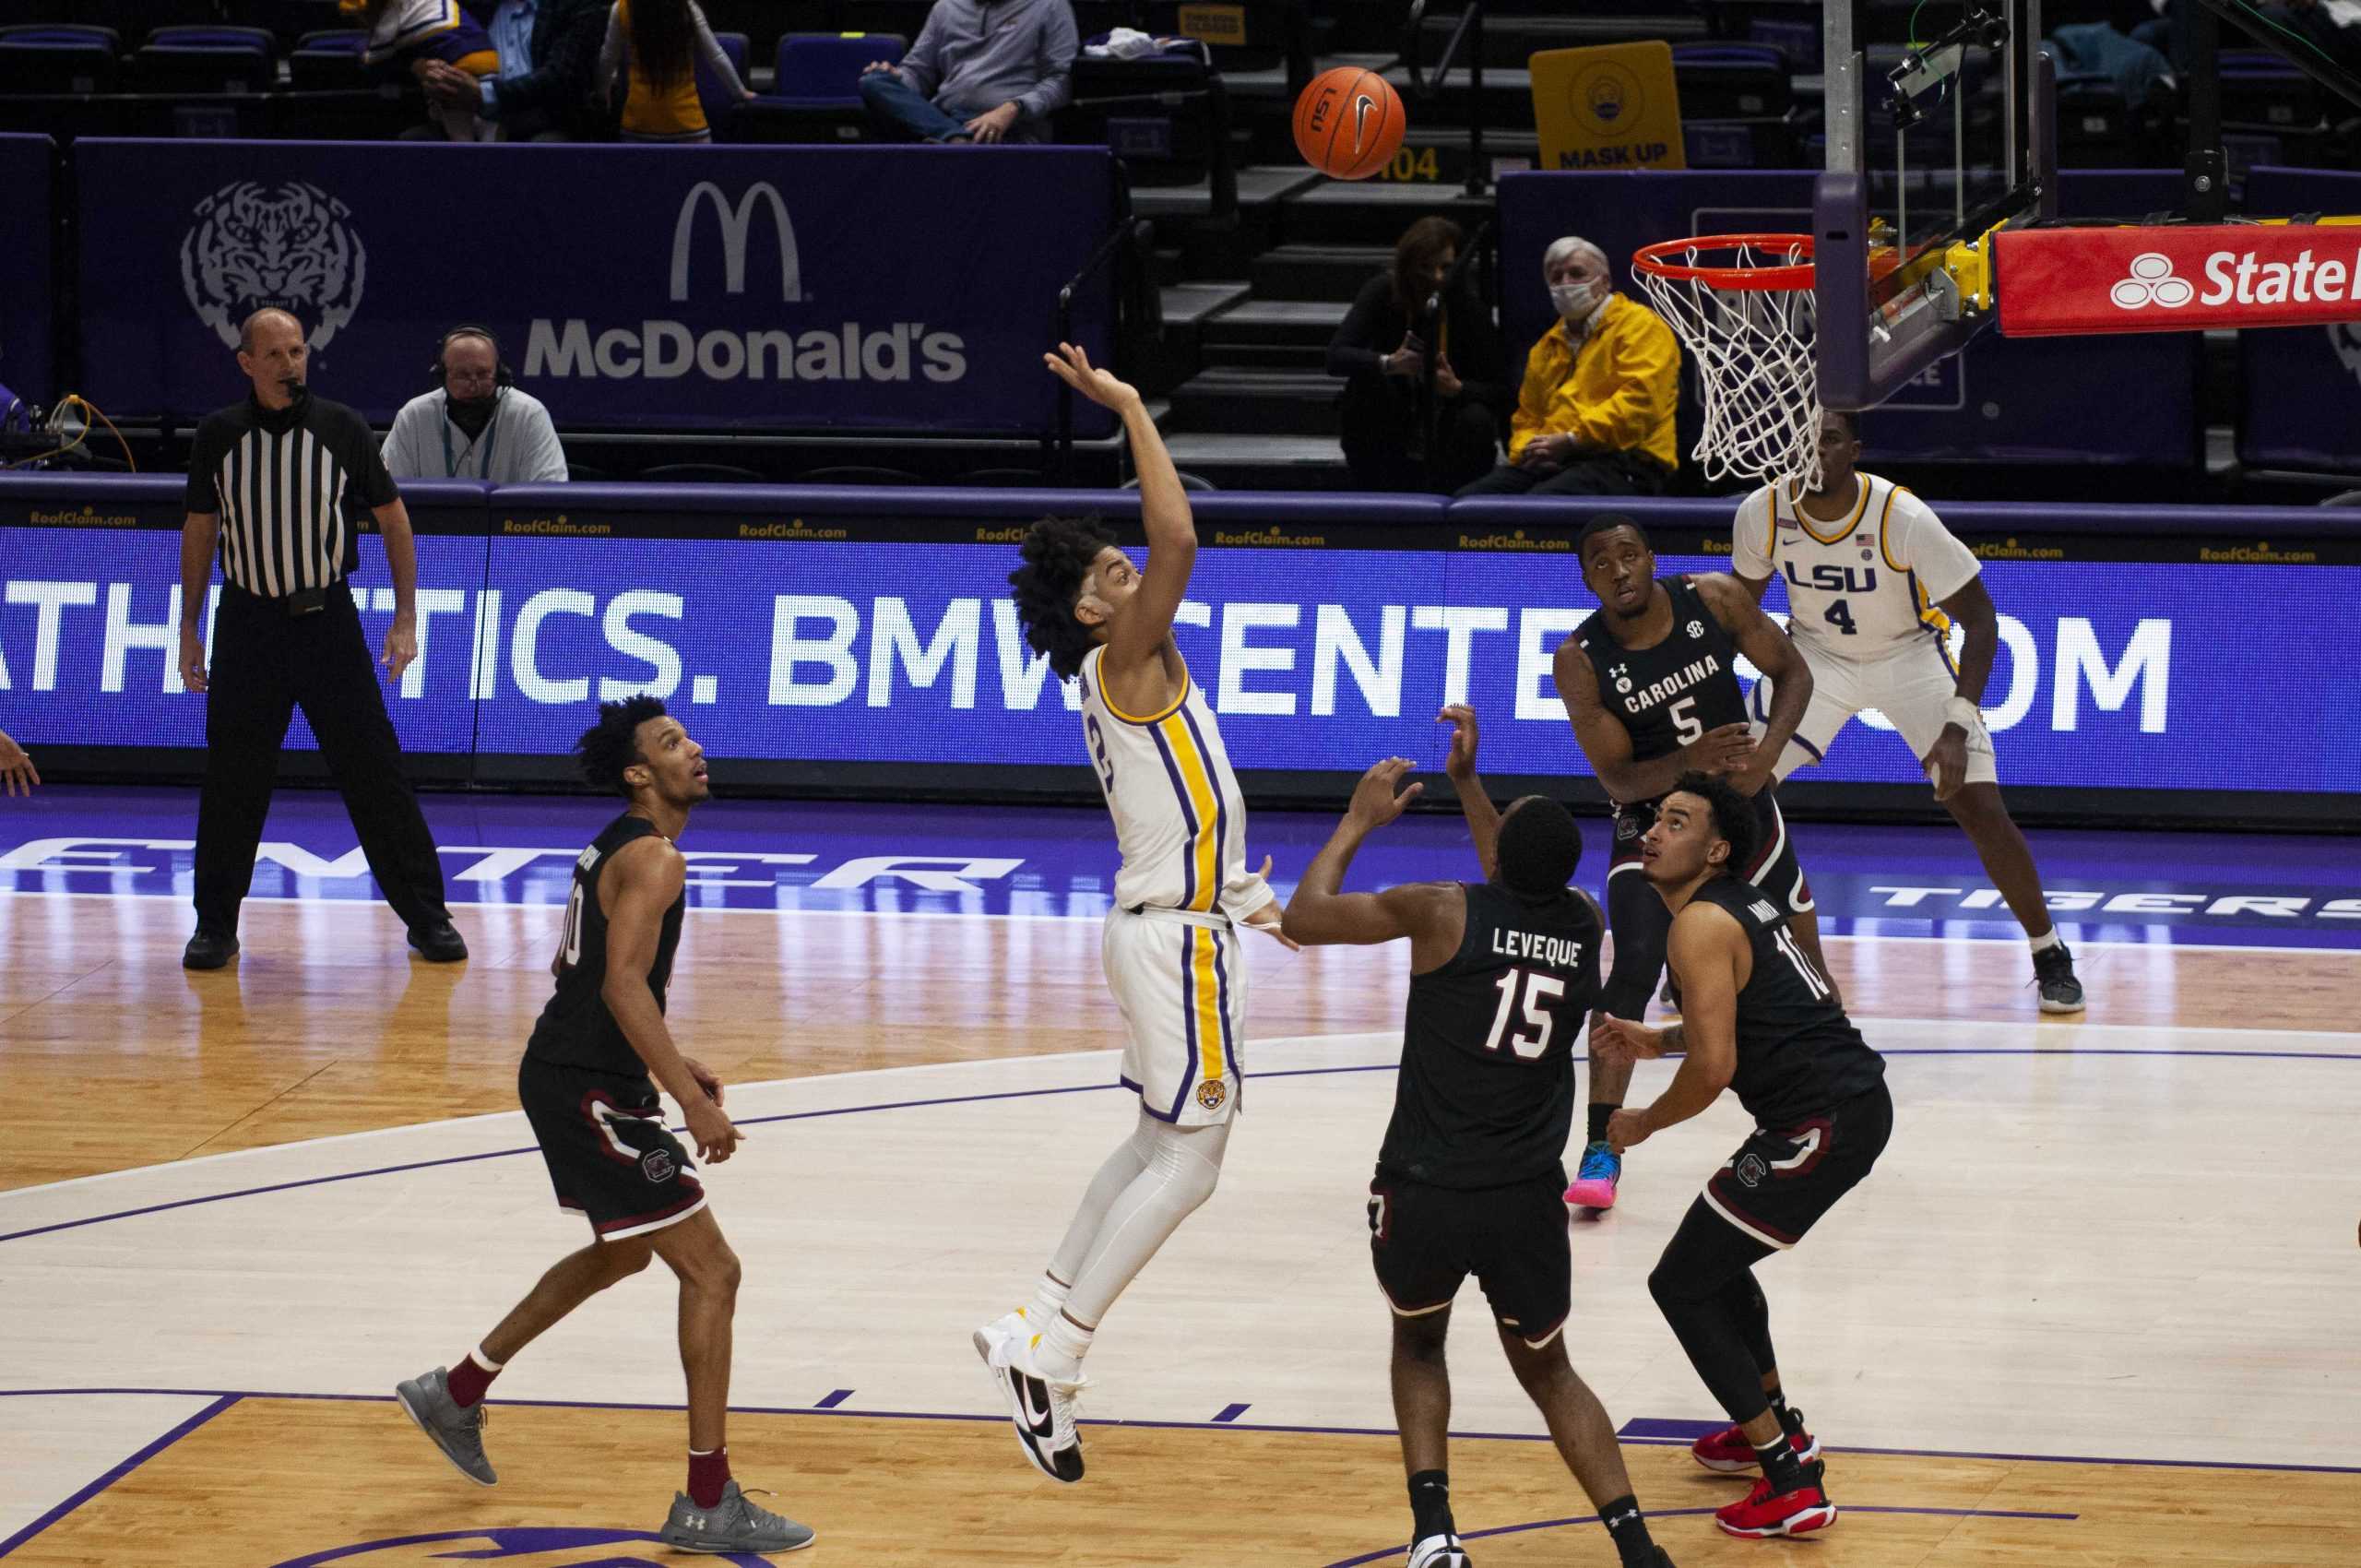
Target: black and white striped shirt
284 482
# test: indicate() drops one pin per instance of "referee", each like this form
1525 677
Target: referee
278 469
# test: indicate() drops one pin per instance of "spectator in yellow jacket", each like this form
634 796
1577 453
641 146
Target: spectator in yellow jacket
1595 416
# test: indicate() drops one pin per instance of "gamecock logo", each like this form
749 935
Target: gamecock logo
293 247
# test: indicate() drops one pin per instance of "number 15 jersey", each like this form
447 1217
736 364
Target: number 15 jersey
1864 586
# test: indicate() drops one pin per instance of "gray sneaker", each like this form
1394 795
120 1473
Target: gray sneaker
733 1525
457 1432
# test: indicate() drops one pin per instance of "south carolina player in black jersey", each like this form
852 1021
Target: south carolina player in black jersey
1758 1017
1651 685
1502 972
587 1090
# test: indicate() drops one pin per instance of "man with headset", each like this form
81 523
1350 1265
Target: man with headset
475 423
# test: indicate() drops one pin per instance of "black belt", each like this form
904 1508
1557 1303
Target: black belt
294 606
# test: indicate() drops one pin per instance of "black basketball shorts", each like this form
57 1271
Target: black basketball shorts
1780 1182
1425 1240
1775 867
610 1156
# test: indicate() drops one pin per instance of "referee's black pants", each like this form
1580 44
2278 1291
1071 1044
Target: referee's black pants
265 664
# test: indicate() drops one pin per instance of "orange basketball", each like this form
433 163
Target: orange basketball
1348 124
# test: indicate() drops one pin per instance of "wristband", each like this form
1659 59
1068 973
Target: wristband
1964 713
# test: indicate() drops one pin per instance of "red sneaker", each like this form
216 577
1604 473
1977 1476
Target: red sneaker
1727 1450
1767 1512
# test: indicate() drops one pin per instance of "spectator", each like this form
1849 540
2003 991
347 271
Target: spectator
660 101
475 424
15 766
1595 415
548 63
409 35
982 71
1381 350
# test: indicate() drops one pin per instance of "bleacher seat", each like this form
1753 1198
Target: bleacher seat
713 94
903 16
815 88
207 60
328 60
823 68
2262 92
1731 81
1162 142
2095 128
59 59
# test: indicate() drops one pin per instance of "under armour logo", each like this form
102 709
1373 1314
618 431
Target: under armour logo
2151 283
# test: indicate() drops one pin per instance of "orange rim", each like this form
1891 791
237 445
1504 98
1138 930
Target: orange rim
1659 259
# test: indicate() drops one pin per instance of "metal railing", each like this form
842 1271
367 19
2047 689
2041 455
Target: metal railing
1469 38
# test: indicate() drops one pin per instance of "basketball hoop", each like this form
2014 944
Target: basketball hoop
1748 324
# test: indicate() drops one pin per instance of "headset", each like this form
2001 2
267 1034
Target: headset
502 377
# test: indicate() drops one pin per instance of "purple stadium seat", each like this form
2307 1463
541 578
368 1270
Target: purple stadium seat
823 70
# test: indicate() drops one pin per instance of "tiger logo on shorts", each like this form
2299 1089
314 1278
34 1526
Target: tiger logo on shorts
1211 1093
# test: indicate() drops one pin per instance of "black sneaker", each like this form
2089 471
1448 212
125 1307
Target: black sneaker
438 941
209 949
2053 971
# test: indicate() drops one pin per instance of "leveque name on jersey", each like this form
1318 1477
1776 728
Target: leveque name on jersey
1671 687
1554 951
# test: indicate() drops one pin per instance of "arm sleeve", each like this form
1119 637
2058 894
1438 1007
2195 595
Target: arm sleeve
610 51
1917 540
204 457
1055 62
542 459
1244 894
717 59
1644 372
1751 537
373 486
922 62
1354 350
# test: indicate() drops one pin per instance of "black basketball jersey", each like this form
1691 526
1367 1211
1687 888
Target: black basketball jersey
575 1029
1798 1053
1668 695
1486 1094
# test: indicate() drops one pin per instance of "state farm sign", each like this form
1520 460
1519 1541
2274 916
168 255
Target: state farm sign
2061 281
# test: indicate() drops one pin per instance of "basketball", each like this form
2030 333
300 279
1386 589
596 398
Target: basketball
1348 124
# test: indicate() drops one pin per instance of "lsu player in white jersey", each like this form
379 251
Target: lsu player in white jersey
1874 582
1173 950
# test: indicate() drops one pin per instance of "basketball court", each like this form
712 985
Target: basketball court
2100 1283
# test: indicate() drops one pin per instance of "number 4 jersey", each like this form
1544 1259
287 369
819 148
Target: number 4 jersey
1860 587
1486 1094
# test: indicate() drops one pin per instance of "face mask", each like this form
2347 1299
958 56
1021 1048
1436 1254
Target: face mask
1575 301
471 414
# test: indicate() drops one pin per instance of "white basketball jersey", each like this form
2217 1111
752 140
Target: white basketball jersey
1861 587
1180 820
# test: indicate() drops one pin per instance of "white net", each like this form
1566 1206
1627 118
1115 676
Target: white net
1754 352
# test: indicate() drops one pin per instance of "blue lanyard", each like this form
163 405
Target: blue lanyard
491 439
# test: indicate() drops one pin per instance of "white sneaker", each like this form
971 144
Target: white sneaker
1008 1326
1438 1551
1041 1408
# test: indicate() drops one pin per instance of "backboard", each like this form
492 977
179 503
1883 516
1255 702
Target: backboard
1939 129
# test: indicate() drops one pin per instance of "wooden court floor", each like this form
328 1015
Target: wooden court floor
2182 1149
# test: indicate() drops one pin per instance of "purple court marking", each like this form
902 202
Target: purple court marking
1652 1429
1075 1089
836 1397
2247 890
1230 1413
116 1474
1381 1555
